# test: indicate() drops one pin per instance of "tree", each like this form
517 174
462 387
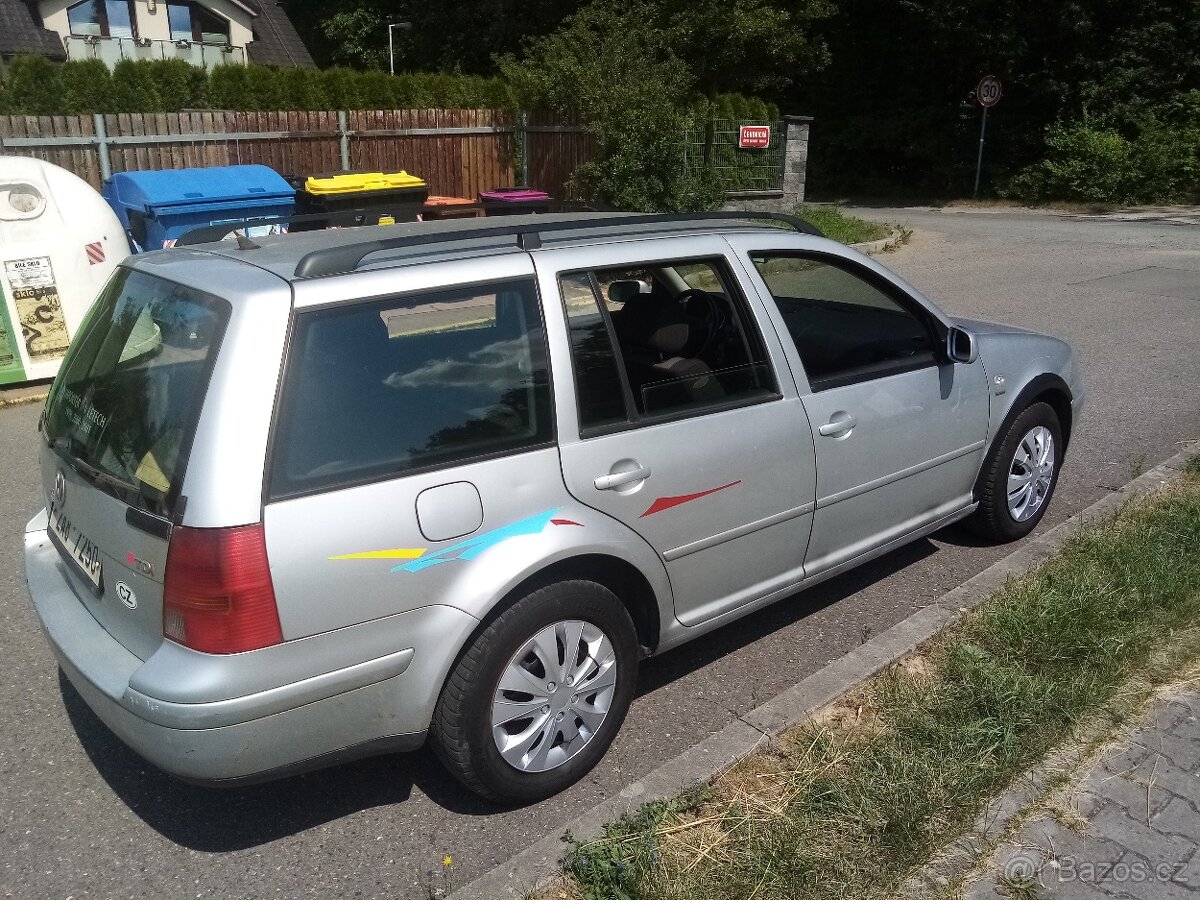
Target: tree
607 67
357 38
633 71
893 110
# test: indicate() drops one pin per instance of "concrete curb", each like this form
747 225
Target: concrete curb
23 395
891 242
742 736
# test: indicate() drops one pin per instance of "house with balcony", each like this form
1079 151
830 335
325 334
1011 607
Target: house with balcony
205 33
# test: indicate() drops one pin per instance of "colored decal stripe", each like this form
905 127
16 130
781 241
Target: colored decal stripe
565 522
664 503
474 546
95 252
398 553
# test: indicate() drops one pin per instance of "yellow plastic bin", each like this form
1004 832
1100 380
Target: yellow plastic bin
360 198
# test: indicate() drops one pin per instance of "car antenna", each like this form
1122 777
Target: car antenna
244 243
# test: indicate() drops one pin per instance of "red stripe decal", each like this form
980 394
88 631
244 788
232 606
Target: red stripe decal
663 503
565 522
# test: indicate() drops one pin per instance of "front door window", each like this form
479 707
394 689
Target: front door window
846 329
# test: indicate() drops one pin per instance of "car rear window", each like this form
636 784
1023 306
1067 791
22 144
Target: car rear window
384 388
124 407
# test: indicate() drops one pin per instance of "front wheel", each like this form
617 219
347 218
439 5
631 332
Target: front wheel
537 698
1019 475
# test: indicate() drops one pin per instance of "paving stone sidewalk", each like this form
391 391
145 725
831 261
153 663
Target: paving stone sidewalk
1136 821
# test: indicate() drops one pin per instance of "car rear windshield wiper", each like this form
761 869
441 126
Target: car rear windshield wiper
66 449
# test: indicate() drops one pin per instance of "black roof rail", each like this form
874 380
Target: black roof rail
347 257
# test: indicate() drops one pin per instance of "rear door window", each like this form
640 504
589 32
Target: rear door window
124 407
379 389
672 339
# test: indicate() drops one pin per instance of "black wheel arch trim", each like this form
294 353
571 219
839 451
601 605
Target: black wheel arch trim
1058 394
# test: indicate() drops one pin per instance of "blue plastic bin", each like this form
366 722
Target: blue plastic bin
157 208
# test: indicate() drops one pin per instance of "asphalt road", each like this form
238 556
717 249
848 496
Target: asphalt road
81 816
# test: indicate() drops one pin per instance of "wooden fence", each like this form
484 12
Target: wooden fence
459 152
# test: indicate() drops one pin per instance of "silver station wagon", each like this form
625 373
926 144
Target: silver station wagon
340 493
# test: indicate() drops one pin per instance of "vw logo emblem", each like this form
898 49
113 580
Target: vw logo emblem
60 489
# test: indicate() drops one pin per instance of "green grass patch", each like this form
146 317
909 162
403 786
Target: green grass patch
850 805
838 226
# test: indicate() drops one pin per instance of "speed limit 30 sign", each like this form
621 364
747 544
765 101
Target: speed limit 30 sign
988 91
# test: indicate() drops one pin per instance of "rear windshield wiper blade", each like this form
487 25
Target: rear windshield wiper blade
97 477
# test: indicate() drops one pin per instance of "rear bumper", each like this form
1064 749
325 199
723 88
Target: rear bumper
253 715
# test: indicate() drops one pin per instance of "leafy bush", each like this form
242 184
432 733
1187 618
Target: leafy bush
180 85
85 86
133 88
741 108
31 87
342 90
1089 164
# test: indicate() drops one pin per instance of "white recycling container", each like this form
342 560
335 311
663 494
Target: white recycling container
59 243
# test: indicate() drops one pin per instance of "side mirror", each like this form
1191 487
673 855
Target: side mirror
961 346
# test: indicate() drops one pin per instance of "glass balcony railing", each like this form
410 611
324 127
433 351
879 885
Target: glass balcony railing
112 50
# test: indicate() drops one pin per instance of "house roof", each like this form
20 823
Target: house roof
276 42
20 32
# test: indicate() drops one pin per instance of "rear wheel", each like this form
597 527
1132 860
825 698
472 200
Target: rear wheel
538 697
1019 475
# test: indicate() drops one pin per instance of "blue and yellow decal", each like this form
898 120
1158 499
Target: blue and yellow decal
465 550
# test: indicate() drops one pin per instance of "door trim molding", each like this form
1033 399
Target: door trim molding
734 533
861 489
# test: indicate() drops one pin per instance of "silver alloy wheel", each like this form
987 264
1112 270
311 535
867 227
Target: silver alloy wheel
554 695
1030 473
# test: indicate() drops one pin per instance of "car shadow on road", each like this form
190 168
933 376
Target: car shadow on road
221 819
215 820
705 650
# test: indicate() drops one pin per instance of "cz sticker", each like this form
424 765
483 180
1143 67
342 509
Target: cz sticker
126 595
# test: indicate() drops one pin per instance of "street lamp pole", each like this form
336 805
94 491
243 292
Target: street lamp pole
391 44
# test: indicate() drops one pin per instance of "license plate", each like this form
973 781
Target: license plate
75 545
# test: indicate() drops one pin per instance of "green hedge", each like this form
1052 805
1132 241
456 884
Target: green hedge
1088 163
31 85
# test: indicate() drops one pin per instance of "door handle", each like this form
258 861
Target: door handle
838 426
620 479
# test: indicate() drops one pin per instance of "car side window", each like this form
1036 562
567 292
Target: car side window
845 328
684 342
379 389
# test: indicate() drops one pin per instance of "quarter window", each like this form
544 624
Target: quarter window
380 389
683 343
845 328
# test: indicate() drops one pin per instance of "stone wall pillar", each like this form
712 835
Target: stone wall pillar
795 159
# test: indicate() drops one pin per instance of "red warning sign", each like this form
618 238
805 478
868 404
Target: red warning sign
754 137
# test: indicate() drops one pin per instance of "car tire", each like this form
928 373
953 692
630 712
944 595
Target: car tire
1030 453
573 646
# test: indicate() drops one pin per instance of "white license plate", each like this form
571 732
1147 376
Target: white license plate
74 544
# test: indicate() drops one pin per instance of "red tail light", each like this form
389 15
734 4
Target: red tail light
217 591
